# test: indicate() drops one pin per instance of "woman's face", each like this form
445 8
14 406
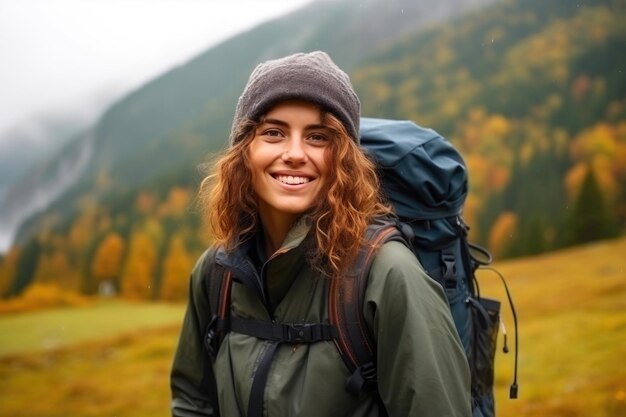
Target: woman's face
288 157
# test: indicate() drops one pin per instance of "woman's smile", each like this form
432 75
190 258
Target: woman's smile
292 179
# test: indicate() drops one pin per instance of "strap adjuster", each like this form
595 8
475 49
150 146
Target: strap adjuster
449 268
210 340
303 332
297 332
363 379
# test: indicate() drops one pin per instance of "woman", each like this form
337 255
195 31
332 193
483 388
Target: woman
288 205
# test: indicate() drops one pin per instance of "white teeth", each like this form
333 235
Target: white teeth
288 179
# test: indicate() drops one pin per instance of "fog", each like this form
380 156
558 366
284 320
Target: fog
68 59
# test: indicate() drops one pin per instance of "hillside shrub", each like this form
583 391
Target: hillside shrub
39 296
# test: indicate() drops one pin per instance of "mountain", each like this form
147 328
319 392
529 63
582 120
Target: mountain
531 92
44 184
534 95
197 100
25 145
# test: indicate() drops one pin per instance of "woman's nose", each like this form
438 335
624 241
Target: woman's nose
294 150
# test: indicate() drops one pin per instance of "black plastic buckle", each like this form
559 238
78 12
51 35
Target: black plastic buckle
449 269
363 379
297 332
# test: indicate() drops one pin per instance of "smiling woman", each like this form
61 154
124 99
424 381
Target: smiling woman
289 205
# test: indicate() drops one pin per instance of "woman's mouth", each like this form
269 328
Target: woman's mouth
292 179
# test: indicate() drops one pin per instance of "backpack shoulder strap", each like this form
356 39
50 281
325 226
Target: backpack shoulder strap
218 284
345 311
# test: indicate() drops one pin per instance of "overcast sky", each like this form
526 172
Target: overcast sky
69 55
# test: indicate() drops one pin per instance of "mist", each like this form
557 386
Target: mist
78 56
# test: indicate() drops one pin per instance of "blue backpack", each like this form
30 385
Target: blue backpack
425 179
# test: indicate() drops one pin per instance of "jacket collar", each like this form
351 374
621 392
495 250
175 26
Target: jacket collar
296 234
240 260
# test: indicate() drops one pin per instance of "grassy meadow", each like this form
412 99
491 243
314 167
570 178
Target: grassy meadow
571 308
108 359
113 358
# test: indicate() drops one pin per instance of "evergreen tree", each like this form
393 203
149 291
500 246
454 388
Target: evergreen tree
26 267
590 218
533 237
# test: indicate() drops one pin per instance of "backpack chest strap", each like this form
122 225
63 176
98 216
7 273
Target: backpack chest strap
276 334
281 332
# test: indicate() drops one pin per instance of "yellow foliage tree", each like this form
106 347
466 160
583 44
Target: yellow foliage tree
470 132
604 148
176 267
498 178
497 126
145 202
153 230
54 267
470 210
81 231
140 266
177 202
502 233
7 270
107 261
574 179
478 166
599 139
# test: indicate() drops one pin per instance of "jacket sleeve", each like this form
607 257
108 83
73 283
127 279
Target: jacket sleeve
192 380
422 367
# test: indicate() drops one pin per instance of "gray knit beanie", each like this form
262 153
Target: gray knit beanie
312 77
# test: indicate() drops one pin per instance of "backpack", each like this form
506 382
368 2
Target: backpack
425 179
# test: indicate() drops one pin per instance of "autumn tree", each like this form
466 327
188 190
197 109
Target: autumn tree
82 229
106 266
54 267
140 266
503 233
177 202
176 267
8 265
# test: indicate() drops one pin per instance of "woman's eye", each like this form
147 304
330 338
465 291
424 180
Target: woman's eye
272 132
318 138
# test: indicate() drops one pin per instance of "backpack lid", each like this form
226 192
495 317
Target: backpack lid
423 175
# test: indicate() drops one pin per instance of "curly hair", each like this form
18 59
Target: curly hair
340 220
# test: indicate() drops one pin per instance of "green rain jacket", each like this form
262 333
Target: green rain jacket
422 368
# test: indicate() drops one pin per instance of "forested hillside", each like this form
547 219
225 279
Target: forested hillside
532 92
178 117
534 95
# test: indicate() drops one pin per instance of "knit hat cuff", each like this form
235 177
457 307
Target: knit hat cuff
311 77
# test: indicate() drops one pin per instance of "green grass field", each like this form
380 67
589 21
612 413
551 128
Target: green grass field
113 359
572 314
52 328
109 359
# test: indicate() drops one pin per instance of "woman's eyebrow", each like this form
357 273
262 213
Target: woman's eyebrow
316 127
275 122
285 124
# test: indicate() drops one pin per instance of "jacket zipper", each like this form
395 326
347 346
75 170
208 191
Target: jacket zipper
259 379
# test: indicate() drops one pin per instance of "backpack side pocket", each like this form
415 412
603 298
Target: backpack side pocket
485 321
